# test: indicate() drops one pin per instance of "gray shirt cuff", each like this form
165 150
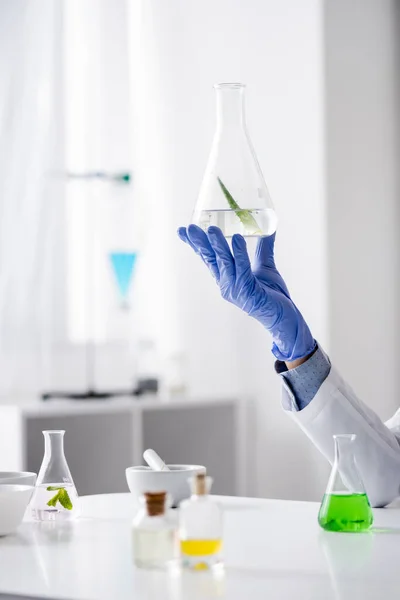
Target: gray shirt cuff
304 381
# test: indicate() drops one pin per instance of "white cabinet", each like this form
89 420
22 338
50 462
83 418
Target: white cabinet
103 438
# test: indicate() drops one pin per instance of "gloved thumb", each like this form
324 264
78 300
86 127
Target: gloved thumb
264 256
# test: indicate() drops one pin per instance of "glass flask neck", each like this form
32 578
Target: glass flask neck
345 475
230 105
344 448
203 491
53 443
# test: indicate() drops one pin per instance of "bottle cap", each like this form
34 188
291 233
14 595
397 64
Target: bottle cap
200 484
155 503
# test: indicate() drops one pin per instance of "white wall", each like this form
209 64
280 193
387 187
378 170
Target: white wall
275 47
363 186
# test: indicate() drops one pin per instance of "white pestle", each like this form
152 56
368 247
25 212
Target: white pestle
154 461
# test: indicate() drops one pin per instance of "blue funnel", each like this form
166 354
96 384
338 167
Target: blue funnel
123 264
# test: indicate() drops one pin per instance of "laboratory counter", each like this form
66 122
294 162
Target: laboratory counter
272 548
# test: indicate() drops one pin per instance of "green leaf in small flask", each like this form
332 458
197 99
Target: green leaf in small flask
53 501
65 500
62 497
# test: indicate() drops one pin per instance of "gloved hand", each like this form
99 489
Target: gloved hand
260 292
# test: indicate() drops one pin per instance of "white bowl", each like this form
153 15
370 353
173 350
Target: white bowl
13 502
175 481
18 477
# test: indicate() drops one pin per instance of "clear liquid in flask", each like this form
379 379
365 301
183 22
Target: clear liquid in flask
263 221
51 504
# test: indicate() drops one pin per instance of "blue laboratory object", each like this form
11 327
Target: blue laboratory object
123 264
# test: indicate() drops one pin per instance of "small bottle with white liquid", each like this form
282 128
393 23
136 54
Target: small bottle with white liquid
154 534
200 527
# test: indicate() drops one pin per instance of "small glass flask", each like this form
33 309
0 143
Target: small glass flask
345 505
154 534
233 195
55 497
200 527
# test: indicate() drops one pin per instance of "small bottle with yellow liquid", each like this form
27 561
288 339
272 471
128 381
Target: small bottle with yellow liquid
200 527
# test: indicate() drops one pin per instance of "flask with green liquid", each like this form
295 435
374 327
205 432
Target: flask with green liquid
345 505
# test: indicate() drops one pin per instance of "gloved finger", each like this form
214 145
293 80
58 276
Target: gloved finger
207 254
183 235
242 260
264 255
198 238
225 262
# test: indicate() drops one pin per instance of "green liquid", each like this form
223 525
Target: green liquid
345 512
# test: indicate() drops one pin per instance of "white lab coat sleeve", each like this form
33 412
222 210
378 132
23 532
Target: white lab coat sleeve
335 409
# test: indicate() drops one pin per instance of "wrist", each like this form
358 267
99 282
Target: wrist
291 352
292 364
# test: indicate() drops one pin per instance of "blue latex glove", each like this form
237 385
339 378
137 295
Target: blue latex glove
260 292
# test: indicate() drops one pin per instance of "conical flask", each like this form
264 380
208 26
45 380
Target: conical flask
233 194
55 496
345 505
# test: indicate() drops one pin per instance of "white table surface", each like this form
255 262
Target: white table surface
273 549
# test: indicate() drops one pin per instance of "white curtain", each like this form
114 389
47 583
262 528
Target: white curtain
99 216
30 201
63 107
